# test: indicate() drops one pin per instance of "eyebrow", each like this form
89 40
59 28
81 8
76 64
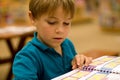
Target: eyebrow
57 18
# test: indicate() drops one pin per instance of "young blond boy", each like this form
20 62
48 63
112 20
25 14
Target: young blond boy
50 53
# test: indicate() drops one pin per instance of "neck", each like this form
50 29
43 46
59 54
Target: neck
59 50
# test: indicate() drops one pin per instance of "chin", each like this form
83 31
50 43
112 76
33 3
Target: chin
56 45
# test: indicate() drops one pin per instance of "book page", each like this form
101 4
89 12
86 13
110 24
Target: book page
103 68
111 64
107 68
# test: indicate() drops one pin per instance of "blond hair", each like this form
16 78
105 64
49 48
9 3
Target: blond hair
40 7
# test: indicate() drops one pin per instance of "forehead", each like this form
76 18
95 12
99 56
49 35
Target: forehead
59 12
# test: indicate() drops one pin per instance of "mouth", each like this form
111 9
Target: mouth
58 39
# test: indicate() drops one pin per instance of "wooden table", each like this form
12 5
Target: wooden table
98 53
10 32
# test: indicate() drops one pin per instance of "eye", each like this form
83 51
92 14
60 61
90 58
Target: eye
51 22
66 23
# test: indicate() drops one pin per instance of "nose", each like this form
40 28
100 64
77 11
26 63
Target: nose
60 29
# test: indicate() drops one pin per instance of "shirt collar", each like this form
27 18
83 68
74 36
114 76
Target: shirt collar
41 45
38 43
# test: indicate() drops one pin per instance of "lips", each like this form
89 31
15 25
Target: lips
58 39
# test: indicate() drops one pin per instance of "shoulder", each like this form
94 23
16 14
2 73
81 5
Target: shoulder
68 42
28 55
28 52
27 61
68 45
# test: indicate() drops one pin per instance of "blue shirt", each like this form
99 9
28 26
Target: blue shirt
36 61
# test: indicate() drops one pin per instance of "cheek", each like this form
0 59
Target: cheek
67 31
43 28
45 32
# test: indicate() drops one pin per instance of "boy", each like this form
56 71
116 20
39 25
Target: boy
49 54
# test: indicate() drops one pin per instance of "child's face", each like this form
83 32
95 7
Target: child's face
52 30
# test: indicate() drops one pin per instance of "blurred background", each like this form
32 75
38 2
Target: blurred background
95 27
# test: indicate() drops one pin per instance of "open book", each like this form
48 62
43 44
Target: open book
102 68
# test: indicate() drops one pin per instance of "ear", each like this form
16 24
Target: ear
31 17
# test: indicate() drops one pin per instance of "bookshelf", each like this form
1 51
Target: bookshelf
109 15
13 12
81 15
